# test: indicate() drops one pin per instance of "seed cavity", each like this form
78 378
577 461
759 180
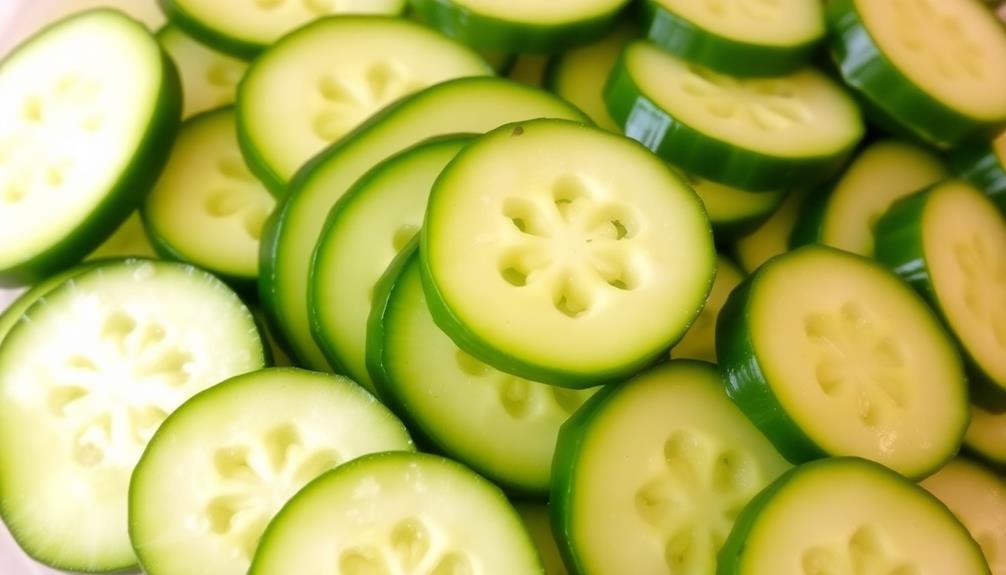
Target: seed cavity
517 397
866 551
572 298
348 100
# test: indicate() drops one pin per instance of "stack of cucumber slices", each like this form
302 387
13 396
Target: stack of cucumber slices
505 287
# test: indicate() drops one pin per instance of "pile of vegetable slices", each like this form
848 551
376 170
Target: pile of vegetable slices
486 287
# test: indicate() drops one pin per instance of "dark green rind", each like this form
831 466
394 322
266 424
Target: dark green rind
130 188
678 35
216 39
810 223
490 33
978 163
379 309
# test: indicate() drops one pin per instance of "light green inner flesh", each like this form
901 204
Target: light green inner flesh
130 240
700 340
209 78
764 22
536 12
772 237
726 204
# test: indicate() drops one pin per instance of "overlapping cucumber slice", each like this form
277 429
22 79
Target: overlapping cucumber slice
734 212
700 341
209 78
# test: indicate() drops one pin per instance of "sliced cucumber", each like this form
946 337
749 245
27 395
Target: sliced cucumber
408 513
926 68
209 78
846 217
745 38
734 212
700 341
831 354
649 475
13 311
986 436
88 109
467 105
757 134
130 240
772 237
537 520
207 208
221 466
367 227
281 128
848 515
578 269
984 165
86 377
502 426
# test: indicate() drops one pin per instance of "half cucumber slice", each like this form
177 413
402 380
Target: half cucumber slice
209 78
700 341
983 164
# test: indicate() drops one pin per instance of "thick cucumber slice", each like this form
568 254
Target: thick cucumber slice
222 465
830 354
986 436
848 515
846 217
757 134
537 519
983 164
977 497
734 212
88 110
207 208
130 240
772 237
209 78
367 227
572 270
744 38
295 100
950 243
525 26
700 340
243 29
411 513
650 475
86 378
502 426
930 69
467 105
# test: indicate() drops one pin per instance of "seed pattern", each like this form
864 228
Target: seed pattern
762 10
769 104
234 200
348 101
867 552
519 397
983 269
925 29
410 550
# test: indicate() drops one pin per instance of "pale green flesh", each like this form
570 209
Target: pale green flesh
772 237
209 78
130 240
726 204
555 12
760 22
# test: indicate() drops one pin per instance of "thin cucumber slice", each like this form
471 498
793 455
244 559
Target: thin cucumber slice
466 105
744 38
571 270
846 217
503 426
222 465
367 227
757 134
537 520
244 29
412 513
772 237
848 515
207 208
529 69
949 242
734 212
86 378
929 69
88 108
527 26
650 474
209 78
700 341
986 435
830 354
295 99
15 310
977 497
130 240
983 164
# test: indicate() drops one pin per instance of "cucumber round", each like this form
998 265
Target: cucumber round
831 354
925 68
982 164
772 237
650 475
89 107
409 513
537 520
700 341
465 105
757 134
209 78
221 466
571 270
86 377
848 515
986 435
734 212
130 240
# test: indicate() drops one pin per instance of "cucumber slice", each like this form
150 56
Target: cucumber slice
772 237
986 436
243 29
467 105
846 217
88 109
757 134
527 26
831 354
15 310
502 426
130 240
700 340
411 513
983 164
571 270
961 269
930 69
848 515
86 377
207 208
222 465
650 475
367 227
978 498
734 212
745 38
209 78
537 520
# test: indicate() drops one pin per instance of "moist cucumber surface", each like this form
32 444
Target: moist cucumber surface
209 78
699 342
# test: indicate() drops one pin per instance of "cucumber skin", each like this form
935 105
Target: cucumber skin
678 35
809 228
978 163
243 49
